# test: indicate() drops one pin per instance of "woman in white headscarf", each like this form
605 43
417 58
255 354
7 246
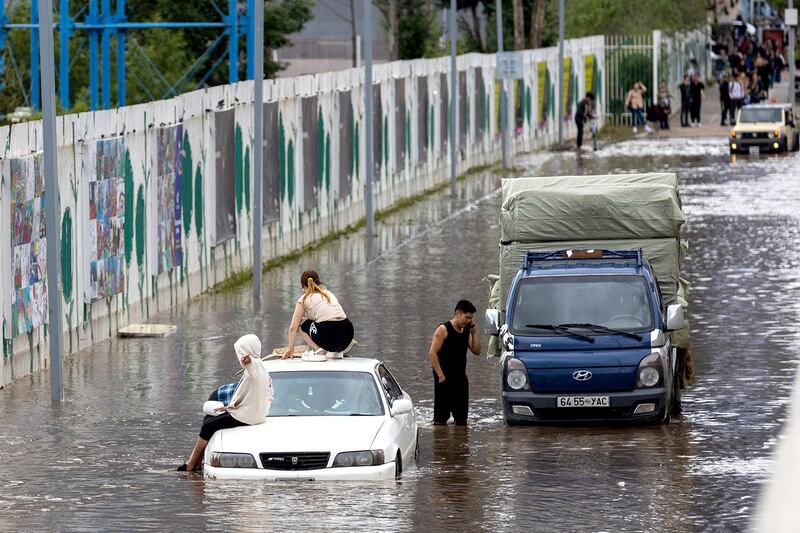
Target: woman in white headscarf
247 407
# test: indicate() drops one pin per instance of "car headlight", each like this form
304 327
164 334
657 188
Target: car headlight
733 134
516 374
233 460
362 458
650 370
776 133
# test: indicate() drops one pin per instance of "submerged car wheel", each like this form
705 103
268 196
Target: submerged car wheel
796 143
398 466
416 448
675 405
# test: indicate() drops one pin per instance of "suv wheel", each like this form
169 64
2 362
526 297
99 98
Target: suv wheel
398 466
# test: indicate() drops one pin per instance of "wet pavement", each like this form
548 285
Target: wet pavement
104 459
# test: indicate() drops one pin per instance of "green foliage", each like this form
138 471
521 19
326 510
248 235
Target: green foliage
186 184
128 213
418 32
66 255
633 68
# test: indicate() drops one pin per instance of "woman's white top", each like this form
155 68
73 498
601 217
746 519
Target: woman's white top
318 309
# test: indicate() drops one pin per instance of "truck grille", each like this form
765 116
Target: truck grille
578 413
295 461
755 135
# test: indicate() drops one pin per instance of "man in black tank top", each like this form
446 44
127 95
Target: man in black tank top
448 355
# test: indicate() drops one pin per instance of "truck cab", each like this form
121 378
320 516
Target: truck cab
586 337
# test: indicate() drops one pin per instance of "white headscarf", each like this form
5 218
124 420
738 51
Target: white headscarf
247 345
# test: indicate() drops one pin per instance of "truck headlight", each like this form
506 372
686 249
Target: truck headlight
733 134
650 370
232 460
516 374
362 458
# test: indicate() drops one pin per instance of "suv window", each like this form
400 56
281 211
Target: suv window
389 384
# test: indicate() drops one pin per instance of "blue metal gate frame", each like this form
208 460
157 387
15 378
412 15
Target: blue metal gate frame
101 24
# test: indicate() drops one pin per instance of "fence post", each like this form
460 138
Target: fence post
656 53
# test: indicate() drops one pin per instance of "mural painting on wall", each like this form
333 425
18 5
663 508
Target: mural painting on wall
544 93
346 154
28 245
169 187
106 229
591 75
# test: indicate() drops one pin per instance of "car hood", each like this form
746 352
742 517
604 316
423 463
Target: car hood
757 126
302 434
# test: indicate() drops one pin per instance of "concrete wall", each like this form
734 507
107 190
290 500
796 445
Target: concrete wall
124 212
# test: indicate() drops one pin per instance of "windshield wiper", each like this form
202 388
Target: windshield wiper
598 327
561 330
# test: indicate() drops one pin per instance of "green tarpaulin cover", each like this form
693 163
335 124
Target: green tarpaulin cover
601 212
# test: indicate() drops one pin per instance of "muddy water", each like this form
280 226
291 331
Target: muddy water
104 459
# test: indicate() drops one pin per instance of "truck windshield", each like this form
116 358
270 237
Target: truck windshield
617 302
755 114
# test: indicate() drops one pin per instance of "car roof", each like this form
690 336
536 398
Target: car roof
579 267
347 364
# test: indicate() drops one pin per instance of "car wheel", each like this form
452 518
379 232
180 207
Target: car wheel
398 466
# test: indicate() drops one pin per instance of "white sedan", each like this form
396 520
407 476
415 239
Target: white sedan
345 419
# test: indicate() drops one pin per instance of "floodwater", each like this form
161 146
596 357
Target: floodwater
105 458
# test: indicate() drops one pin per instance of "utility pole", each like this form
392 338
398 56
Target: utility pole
560 106
792 37
453 98
52 209
368 126
258 142
503 110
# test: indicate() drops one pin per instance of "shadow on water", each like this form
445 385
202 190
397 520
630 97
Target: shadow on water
104 459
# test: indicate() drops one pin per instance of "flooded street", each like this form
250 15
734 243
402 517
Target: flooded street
105 459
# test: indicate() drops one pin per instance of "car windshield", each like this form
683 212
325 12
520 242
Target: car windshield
764 114
324 393
617 302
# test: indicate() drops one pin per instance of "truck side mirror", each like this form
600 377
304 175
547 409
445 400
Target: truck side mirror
491 322
674 317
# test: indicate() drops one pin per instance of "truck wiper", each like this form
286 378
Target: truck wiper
598 327
561 330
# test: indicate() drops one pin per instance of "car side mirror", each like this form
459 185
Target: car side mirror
401 406
674 317
491 322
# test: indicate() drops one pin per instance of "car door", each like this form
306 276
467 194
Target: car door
403 424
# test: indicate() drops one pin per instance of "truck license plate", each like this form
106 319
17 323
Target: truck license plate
582 401
754 150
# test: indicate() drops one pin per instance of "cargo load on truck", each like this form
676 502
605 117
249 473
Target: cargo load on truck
607 212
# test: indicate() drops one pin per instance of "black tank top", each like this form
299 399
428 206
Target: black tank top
453 353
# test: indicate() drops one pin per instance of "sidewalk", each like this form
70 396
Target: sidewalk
710 114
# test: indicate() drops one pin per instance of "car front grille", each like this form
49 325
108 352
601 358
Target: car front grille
756 135
295 461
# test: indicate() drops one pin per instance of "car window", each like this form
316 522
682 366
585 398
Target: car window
390 385
325 393
761 114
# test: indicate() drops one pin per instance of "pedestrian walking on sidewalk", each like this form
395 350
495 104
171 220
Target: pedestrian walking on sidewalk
686 98
320 320
634 102
664 106
756 92
448 357
736 90
697 90
583 114
726 109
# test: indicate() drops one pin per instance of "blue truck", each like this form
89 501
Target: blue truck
586 336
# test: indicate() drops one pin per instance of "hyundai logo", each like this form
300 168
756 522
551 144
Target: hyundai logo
582 375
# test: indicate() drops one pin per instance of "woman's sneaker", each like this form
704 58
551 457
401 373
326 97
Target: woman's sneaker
335 355
350 346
